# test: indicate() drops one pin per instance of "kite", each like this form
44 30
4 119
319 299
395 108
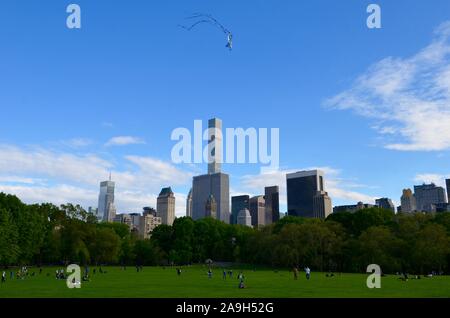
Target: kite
207 18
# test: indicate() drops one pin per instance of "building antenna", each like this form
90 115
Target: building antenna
110 176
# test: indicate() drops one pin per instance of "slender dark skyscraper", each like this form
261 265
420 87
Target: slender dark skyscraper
189 204
272 201
447 183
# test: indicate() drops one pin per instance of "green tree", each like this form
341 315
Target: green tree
432 248
9 248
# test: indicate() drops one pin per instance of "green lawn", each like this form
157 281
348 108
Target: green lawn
193 282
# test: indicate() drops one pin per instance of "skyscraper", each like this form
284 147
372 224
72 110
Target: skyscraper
148 222
211 207
257 210
272 201
165 206
322 206
238 203
214 183
428 196
244 218
408 201
189 204
215 145
211 184
385 203
447 184
306 195
106 207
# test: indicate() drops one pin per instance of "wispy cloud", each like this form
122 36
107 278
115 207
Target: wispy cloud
408 97
124 140
75 178
107 124
437 179
78 142
20 180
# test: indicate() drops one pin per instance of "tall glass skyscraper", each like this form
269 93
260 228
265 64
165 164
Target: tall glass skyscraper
447 183
306 195
272 201
106 208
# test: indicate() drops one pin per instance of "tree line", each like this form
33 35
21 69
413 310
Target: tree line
346 242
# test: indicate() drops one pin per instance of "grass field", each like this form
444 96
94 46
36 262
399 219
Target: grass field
194 283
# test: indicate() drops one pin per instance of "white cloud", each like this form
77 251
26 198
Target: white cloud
408 97
38 175
124 140
437 179
78 142
23 180
59 194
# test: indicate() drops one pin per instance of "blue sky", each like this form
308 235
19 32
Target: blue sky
370 107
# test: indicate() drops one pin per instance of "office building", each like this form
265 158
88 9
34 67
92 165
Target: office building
428 196
214 183
385 203
106 207
189 204
258 210
306 195
238 203
124 219
408 201
148 222
215 145
165 206
211 207
447 184
272 204
244 218
135 217
322 206
352 208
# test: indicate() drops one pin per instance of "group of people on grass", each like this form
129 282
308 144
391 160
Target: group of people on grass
229 274
22 273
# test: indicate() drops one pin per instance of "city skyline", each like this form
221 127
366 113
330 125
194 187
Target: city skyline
107 97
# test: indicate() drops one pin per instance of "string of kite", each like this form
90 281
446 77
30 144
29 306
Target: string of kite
209 19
